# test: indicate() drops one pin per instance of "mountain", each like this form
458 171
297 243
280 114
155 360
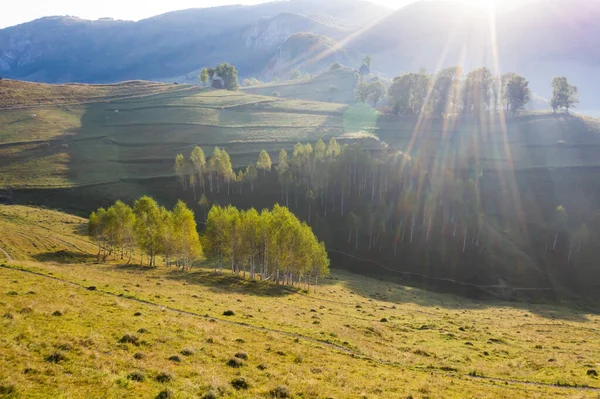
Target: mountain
539 40
307 52
62 49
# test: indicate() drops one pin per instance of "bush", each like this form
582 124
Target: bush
164 378
240 383
142 331
26 311
242 355
235 362
187 352
129 339
136 376
137 314
139 356
592 373
280 392
175 358
7 389
8 316
262 366
210 395
91 288
229 313
166 394
55 357
57 313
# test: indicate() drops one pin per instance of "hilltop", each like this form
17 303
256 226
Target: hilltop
165 330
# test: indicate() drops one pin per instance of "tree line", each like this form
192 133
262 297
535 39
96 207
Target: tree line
224 72
151 228
388 198
451 92
272 244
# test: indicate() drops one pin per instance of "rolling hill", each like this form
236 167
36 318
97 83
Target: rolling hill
166 332
80 157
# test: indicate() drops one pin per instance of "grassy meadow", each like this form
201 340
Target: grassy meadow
145 331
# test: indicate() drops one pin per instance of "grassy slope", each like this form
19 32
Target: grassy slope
78 145
329 344
318 88
15 93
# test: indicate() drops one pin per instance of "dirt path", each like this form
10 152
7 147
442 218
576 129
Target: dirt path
344 350
10 259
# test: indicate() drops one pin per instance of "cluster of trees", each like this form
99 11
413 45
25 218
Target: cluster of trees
273 244
575 237
194 170
451 92
151 228
224 72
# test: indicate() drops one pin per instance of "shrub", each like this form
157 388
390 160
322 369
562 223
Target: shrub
384 320
12 293
55 357
139 356
137 314
26 311
228 313
242 355
235 362
240 340
164 377
57 313
7 389
187 352
175 358
8 316
129 339
240 383
592 373
262 366
280 392
166 394
142 331
210 395
91 288
136 376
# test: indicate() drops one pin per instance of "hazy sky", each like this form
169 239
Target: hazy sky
19 11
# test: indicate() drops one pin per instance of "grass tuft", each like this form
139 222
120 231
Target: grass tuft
240 383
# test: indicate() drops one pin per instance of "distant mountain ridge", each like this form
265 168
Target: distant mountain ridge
539 40
65 49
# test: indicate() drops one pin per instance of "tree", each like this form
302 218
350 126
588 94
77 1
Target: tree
198 163
251 175
333 149
377 91
229 74
408 92
264 162
148 227
95 228
517 93
446 91
186 238
204 203
582 235
203 77
560 222
310 198
367 61
477 90
180 170
125 223
362 92
296 74
217 234
564 95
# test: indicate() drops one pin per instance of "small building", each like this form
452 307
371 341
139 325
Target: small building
218 84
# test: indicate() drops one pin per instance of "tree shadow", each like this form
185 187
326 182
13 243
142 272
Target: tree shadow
230 283
64 257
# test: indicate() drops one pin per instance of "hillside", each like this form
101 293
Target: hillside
68 49
307 52
163 330
332 86
81 157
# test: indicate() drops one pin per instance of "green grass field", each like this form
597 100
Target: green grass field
355 337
